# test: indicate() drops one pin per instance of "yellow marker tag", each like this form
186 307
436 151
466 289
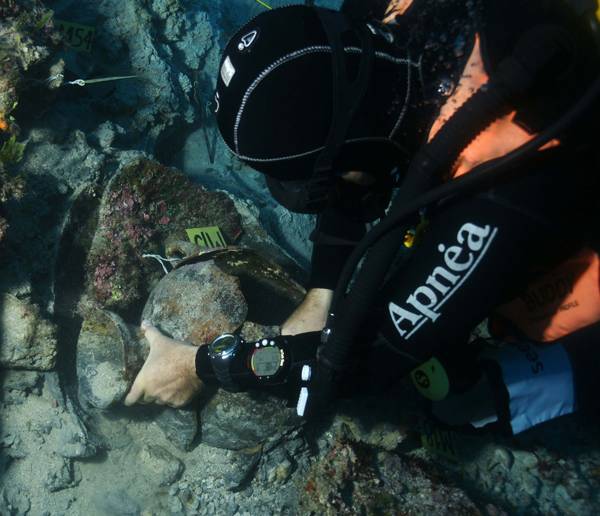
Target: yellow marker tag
206 238
431 380
78 37
441 442
598 11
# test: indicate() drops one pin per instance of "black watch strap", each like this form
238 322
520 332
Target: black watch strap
222 370
204 368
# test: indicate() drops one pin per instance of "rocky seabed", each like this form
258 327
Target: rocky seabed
117 171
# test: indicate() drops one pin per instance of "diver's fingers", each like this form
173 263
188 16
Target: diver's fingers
136 393
153 334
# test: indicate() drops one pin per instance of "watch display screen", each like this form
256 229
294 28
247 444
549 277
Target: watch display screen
266 361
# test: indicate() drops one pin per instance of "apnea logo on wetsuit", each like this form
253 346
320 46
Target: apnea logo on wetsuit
459 262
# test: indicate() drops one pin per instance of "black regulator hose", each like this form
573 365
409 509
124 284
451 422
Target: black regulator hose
536 51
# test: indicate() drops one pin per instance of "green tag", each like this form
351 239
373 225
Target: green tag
78 37
206 238
441 442
431 380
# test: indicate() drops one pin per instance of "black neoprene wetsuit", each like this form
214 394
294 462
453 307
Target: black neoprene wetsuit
479 251
522 226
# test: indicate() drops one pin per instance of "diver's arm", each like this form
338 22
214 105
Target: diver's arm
311 315
334 239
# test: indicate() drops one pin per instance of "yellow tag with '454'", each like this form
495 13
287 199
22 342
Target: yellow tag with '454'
75 35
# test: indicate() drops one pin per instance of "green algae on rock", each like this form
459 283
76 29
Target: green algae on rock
145 206
102 350
26 33
26 36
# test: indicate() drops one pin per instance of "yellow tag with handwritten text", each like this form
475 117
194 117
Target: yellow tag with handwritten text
75 35
206 238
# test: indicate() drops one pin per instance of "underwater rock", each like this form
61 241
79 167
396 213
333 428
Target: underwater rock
38 427
180 426
268 290
354 479
115 503
197 302
216 292
167 47
27 340
71 438
26 31
243 464
242 420
143 207
268 226
292 246
374 421
14 501
62 474
62 179
102 349
278 467
159 466
26 382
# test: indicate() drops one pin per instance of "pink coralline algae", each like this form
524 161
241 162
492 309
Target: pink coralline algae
143 207
125 222
102 278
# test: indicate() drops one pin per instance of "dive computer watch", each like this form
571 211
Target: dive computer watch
222 352
235 364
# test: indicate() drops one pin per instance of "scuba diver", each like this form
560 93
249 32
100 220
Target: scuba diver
446 149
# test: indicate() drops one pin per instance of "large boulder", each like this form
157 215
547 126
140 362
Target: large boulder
196 303
144 207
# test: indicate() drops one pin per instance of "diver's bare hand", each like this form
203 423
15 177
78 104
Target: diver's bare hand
168 376
311 315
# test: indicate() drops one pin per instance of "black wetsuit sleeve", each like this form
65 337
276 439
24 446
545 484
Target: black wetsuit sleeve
334 239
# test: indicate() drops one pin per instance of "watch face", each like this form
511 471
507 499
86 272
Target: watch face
224 345
266 361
